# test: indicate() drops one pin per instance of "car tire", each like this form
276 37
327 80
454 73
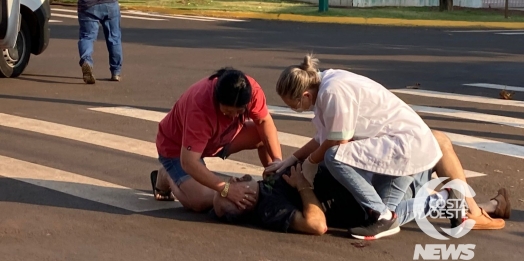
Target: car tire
11 67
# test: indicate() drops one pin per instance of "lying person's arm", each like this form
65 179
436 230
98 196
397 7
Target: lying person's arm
311 219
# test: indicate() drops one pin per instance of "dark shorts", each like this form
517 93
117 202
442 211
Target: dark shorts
174 168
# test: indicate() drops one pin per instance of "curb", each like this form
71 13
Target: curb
330 19
335 20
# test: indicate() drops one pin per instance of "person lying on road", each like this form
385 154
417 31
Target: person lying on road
286 202
219 115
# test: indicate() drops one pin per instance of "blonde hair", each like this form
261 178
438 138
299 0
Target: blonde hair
296 79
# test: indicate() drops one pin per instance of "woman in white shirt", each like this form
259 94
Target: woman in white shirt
390 145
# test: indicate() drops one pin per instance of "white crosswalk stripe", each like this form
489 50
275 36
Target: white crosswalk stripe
459 97
137 201
190 17
496 86
461 140
515 33
64 15
485 31
498 32
59 12
285 139
80 186
496 119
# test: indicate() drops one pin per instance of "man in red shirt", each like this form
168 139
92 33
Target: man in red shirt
218 116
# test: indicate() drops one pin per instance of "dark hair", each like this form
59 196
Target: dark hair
232 87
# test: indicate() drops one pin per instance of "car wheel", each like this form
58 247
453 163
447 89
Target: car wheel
13 61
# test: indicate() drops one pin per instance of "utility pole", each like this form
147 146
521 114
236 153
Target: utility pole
323 5
506 7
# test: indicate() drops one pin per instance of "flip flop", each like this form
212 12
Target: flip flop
166 195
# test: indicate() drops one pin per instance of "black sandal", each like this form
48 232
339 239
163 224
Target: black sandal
164 195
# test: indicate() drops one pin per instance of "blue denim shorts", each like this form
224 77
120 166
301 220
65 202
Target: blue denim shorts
174 168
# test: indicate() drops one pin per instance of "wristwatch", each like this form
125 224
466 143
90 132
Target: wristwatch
225 190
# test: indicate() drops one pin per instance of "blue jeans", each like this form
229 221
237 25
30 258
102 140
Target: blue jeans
374 191
108 14
408 207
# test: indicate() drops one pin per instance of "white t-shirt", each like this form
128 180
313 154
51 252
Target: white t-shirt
389 137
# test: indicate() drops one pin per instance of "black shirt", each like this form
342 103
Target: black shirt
278 202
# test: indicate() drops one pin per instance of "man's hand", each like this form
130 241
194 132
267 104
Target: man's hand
296 179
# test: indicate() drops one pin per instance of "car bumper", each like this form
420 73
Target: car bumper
42 14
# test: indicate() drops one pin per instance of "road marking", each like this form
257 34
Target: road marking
472 174
496 86
190 17
123 16
64 15
142 18
124 144
487 145
459 97
284 138
55 21
287 139
459 140
484 31
495 119
468 173
81 186
174 17
63 10
283 111
512 33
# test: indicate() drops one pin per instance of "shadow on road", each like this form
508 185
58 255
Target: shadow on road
23 78
76 102
25 193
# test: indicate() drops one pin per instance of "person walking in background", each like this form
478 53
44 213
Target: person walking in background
90 13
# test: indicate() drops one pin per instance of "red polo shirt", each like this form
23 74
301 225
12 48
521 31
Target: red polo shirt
195 121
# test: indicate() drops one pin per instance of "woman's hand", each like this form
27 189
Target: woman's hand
296 179
310 170
280 165
241 194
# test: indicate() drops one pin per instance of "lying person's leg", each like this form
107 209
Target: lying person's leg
499 206
450 166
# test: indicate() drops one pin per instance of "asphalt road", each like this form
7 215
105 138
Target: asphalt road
62 161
